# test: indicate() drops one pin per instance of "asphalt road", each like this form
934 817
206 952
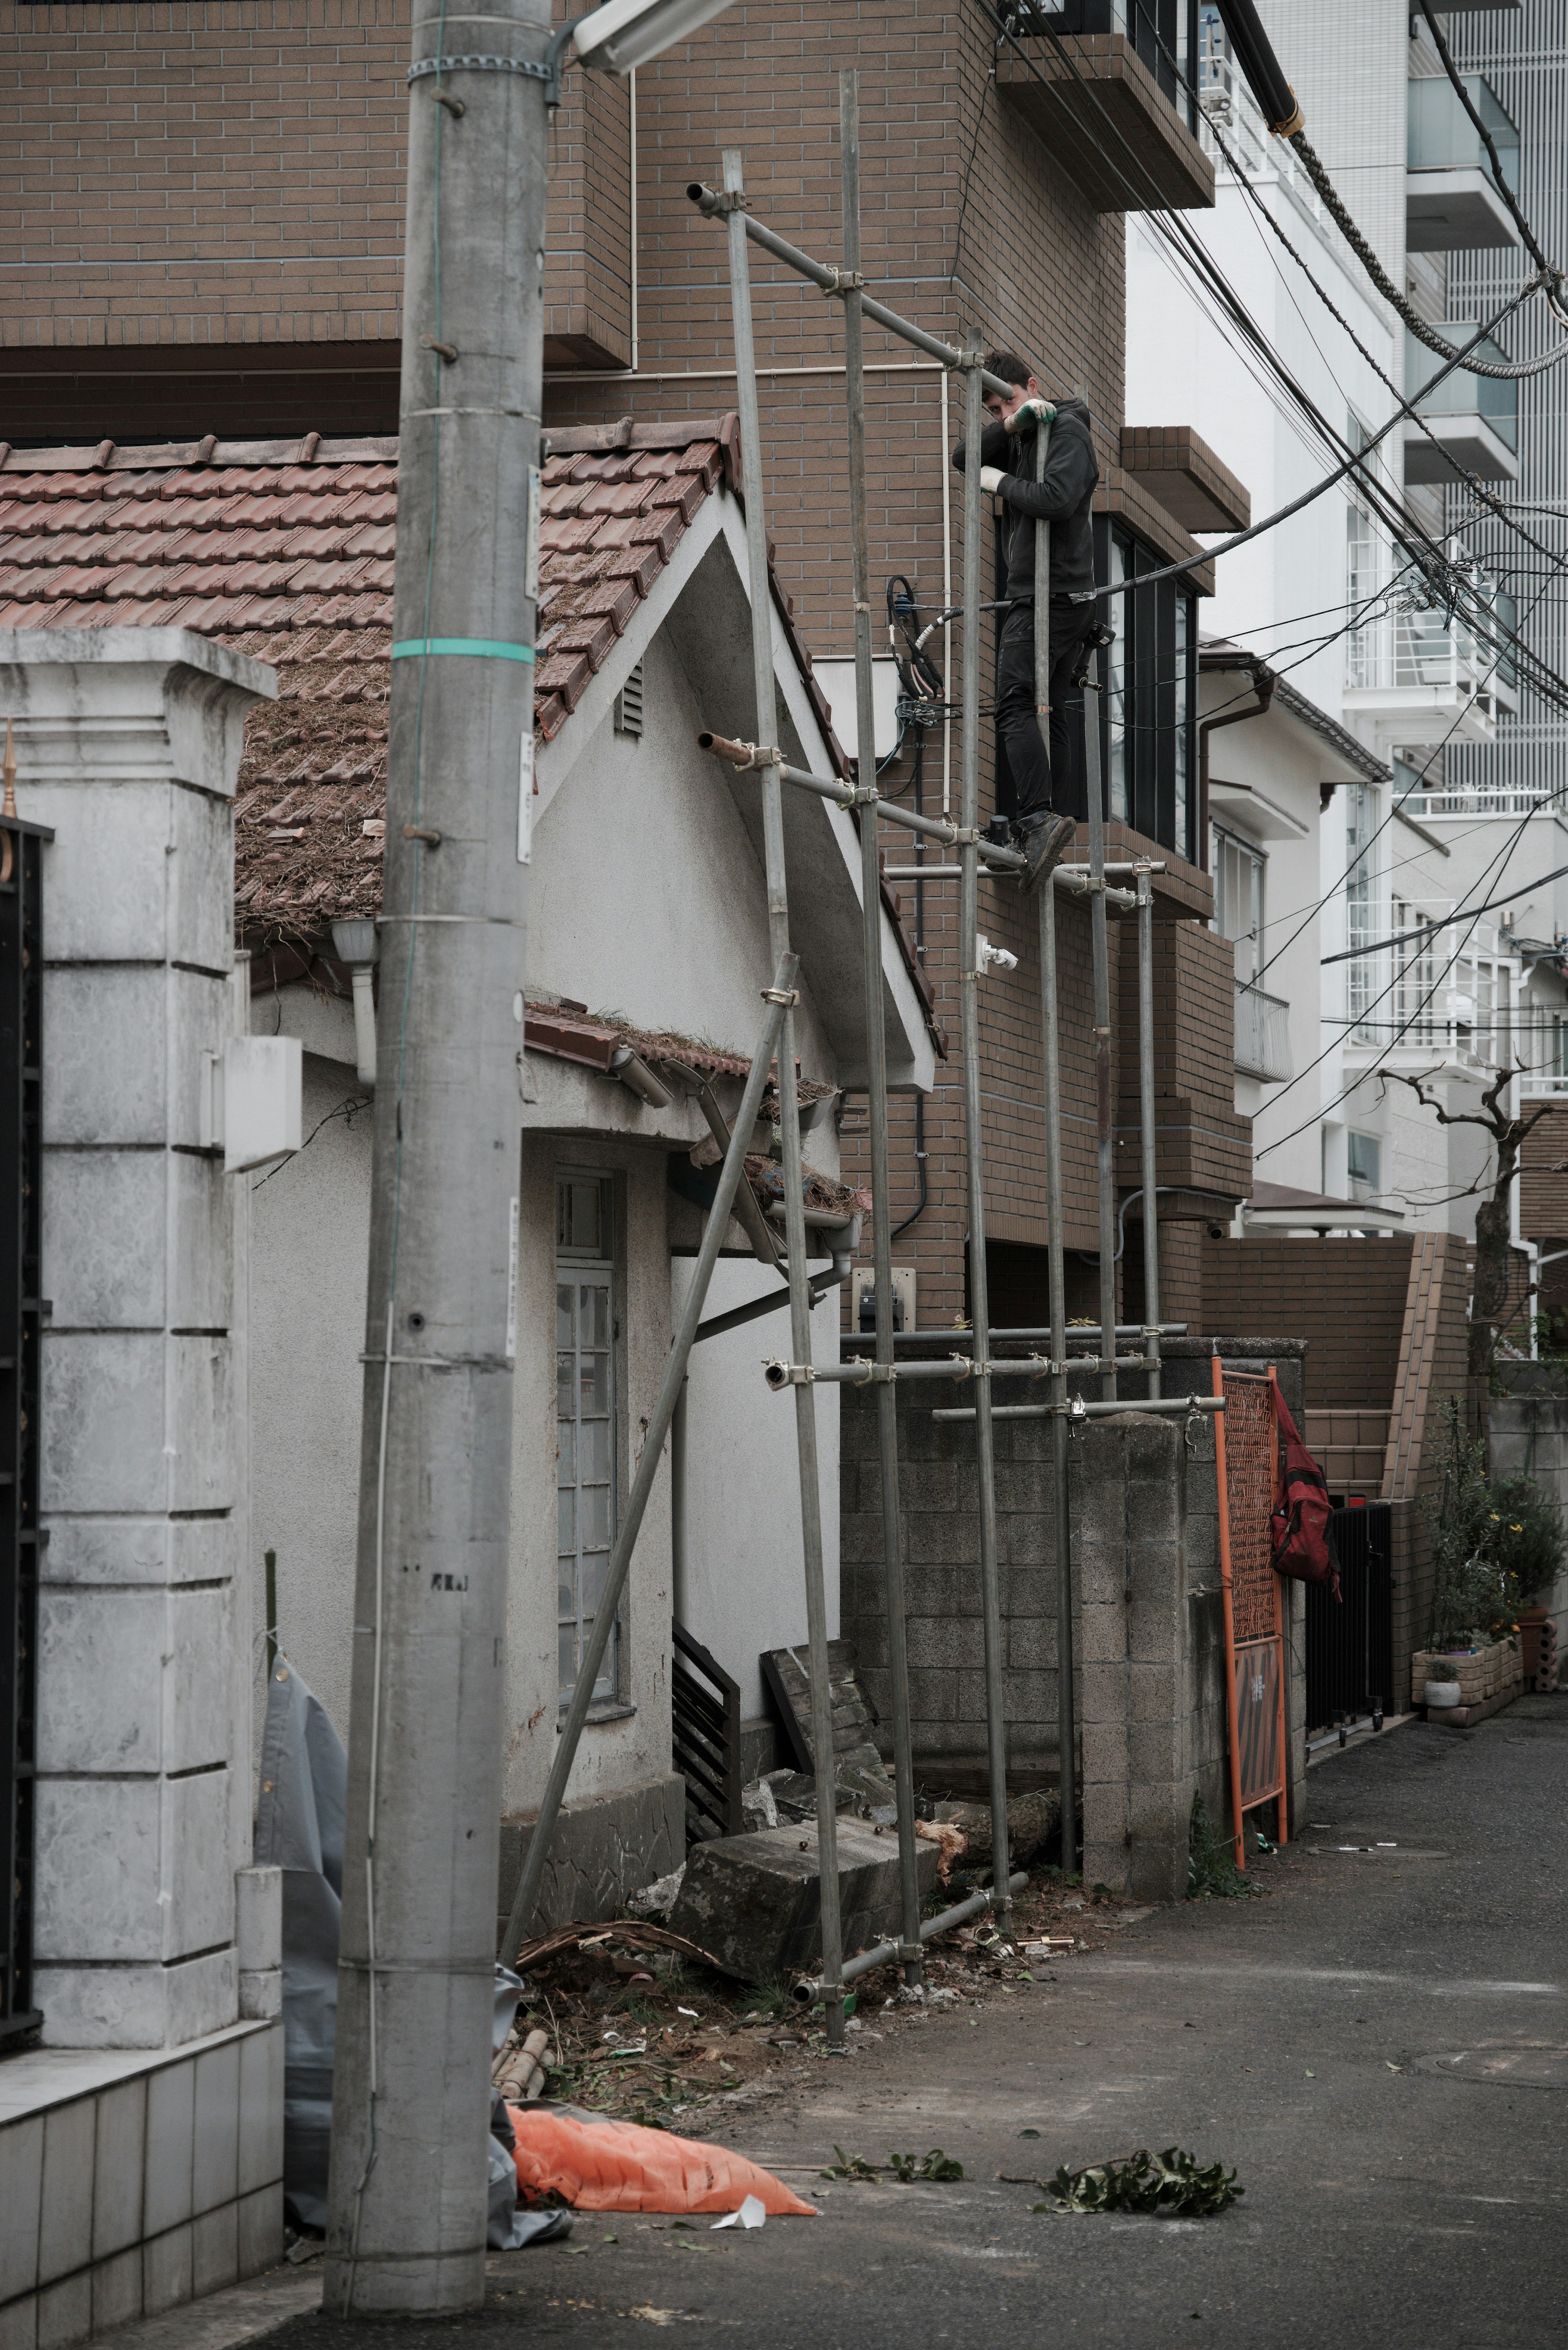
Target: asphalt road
1380 2046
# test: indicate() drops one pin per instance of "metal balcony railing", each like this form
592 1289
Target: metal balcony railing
1493 399
1417 651
1263 1033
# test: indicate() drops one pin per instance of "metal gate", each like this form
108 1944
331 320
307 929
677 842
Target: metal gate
1350 1642
1247 1468
21 1075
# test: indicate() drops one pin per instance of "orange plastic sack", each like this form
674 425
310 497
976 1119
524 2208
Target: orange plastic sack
620 2167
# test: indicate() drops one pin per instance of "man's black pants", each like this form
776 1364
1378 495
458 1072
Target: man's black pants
1027 755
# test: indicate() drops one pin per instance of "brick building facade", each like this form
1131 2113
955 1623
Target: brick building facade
208 241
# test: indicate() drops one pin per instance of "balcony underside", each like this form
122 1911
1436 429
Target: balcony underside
1457 211
1387 717
1101 114
1466 444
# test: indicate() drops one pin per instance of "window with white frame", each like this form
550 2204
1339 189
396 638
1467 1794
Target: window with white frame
1239 868
1360 910
1415 973
1364 1164
586 1399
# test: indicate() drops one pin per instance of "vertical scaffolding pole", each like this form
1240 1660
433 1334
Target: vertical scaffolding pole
1066 1734
789 1104
1148 1178
968 1024
876 1033
1104 1104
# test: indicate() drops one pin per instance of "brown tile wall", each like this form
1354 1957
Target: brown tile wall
1346 1298
1543 1179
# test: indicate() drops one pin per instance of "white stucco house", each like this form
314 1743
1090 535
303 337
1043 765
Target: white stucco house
647 950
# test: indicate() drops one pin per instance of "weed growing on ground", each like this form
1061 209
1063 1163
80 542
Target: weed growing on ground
1166 2184
1211 1871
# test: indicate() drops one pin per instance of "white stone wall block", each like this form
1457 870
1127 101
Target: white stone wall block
200 1431
261 2229
199 1868
107 1076
99 1874
105 877
117 2169
166 2272
104 1224
202 1550
215 2174
117 2291
201 1276
258 1916
65 2224
261 1994
110 1549
21 2195
137 2006
171 2148
103 1420
205 710
195 1688
215 2251
101 1676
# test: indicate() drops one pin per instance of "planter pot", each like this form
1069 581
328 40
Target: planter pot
1441 1693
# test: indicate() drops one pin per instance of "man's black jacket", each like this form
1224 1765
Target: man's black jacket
1063 498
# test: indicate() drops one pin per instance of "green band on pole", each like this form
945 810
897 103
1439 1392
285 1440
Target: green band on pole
483 648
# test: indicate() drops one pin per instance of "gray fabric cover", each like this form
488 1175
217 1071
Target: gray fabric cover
299 1829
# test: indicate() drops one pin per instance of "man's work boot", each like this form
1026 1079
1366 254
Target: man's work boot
1044 840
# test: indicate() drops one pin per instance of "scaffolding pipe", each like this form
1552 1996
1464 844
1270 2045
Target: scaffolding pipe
789 1102
753 1311
969 1026
1050 1016
808 1993
731 1173
1076 1408
1145 1123
1079 1333
679 1593
751 757
863 1372
710 204
1103 1104
875 1034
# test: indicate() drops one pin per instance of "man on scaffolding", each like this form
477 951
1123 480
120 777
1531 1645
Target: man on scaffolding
1040 825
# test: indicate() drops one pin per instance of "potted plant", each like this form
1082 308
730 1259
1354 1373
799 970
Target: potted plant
1442 1687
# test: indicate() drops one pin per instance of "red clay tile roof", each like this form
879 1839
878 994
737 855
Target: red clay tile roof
284 549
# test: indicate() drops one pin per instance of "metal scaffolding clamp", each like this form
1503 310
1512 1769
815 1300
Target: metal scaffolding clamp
780 1374
787 996
876 1374
842 281
541 71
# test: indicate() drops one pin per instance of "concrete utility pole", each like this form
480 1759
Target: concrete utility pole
410 2094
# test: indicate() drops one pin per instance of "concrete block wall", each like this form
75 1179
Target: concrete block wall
151 1931
1170 1519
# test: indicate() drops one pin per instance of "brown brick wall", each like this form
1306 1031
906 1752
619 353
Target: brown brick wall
1543 1179
1346 1298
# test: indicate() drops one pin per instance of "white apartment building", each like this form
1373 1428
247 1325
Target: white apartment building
1384 696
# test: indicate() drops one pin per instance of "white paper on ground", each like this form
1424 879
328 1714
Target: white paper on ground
751 2215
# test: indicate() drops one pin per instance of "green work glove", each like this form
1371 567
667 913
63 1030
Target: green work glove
1031 415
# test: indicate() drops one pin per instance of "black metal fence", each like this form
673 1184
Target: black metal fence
1350 1641
21 1311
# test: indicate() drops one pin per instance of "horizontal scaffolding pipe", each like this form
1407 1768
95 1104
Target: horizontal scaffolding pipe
1065 877
708 201
809 1992
860 1373
1078 1409
751 757
1081 1334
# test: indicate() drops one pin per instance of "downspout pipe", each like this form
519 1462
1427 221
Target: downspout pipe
1263 684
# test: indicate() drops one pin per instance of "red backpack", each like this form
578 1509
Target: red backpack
1302 1523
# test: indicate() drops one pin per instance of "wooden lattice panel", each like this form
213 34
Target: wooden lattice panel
1251 1440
